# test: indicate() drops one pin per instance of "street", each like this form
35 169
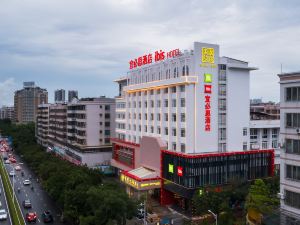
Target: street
40 200
4 204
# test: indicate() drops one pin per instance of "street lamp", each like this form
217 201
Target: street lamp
214 215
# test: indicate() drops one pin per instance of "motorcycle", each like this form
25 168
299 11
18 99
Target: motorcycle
32 188
22 174
19 190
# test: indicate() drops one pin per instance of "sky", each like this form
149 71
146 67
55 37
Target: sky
86 44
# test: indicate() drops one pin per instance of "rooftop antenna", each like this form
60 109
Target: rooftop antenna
281 68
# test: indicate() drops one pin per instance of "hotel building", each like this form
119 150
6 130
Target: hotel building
186 108
290 153
42 124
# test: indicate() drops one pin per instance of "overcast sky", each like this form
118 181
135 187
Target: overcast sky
86 44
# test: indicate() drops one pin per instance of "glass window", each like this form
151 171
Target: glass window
244 131
253 133
166 117
182 102
182 117
173 102
265 133
174 117
174 131
182 132
166 103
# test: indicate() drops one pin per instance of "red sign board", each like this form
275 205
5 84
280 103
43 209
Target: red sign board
179 171
148 58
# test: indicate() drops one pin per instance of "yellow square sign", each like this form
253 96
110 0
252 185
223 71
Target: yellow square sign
207 78
208 55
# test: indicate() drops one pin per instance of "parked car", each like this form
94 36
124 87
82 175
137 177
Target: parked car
12 160
31 217
27 203
3 214
12 173
47 217
7 161
26 182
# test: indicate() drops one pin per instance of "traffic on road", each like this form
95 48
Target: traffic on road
35 203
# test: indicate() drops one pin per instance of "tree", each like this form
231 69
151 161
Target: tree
260 198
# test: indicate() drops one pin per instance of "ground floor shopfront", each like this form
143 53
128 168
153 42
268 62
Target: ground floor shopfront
181 175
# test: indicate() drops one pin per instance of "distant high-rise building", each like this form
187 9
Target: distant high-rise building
59 96
72 94
26 102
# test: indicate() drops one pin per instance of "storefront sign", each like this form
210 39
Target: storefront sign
207 101
208 55
179 171
148 59
171 168
129 181
155 184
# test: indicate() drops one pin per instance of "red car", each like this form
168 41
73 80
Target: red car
12 160
31 217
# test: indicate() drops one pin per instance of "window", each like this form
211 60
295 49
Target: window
107 116
182 102
140 116
158 130
292 172
166 117
182 148
292 199
222 89
107 107
245 146
107 132
152 129
292 146
182 117
140 128
140 104
145 116
158 116
158 91
145 128
107 124
134 115
152 103
182 132
145 104
265 133
274 133
274 144
151 92
173 89
174 146
134 127
158 103
151 116
166 131
222 133
174 117
292 120
264 145
253 133
222 104
244 131
174 132
166 90
182 88
292 94
173 102
166 103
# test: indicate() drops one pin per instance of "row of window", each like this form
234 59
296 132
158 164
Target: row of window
292 172
173 89
264 144
158 103
147 77
292 199
158 116
292 146
264 133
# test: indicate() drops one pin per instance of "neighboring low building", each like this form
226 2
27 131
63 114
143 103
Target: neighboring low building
72 94
80 131
290 153
59 96
42 125
259 109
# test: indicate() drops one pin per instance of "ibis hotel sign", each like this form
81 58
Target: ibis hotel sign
150 58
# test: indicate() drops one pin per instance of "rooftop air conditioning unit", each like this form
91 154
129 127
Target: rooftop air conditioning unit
298 130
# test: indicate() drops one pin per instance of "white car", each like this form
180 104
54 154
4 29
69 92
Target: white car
26 182
12 173
7 161
3 214
18 168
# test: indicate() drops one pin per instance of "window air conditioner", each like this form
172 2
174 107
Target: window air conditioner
280 196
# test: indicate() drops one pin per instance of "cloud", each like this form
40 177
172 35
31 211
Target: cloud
7 87
73 41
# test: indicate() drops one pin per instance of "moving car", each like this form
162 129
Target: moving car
27 203
7 161
12 160
3 214
47 217
12 173
26 182
31 217
18 168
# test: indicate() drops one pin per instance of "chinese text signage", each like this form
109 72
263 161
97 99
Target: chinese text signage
207 101
149 58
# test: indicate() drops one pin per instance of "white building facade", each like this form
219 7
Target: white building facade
290 153
185 101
